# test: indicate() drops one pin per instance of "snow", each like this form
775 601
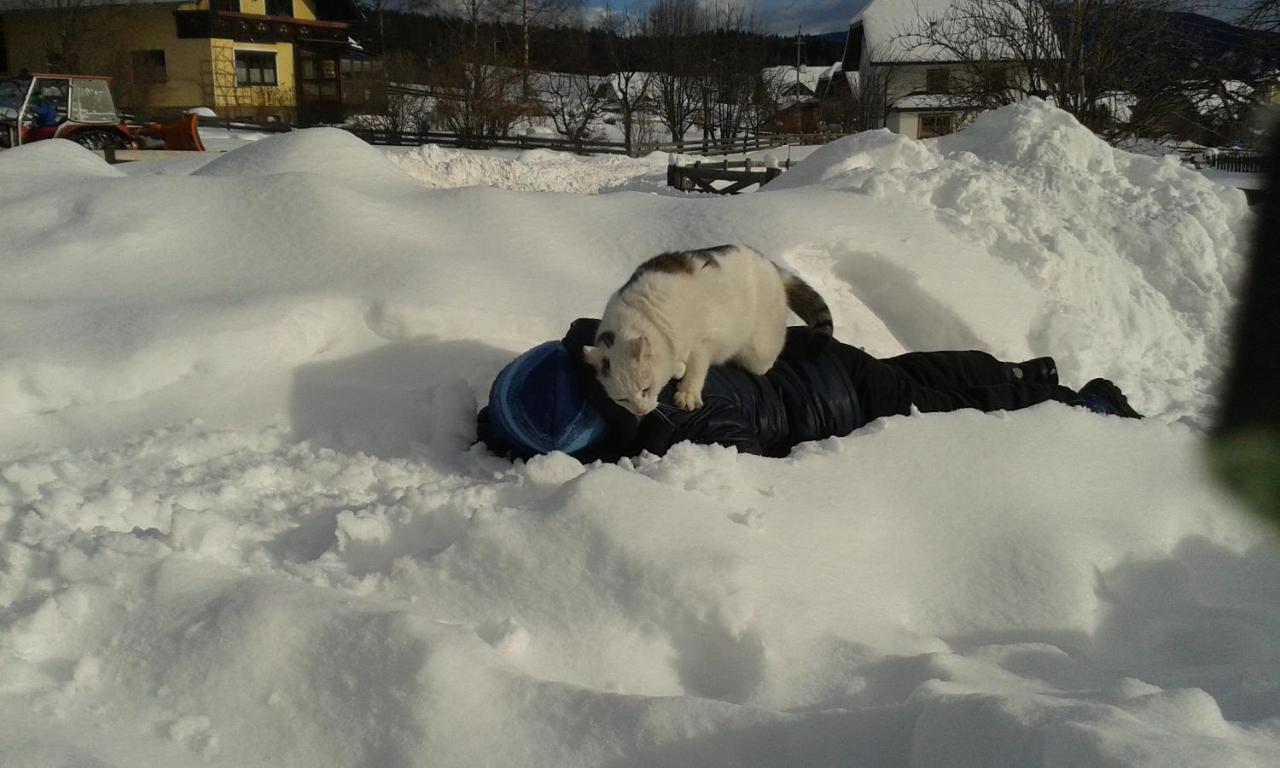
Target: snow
242 521
537 170
1237 179
787 75
888 26
886 23
931 101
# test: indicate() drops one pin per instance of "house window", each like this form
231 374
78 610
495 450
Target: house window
936 125
255 68
937 80
148 66
225 5
356 68
995 78
279 7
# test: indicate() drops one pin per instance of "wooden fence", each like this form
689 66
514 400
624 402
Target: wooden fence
700 176
139 121
750 143
1238 162
417 138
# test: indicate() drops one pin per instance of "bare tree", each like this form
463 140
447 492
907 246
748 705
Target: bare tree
478 100
735 70
767 97
575 104
472 14
531 13
631 79
1074 52
1262 15
82 36
876 85
674 26
398 102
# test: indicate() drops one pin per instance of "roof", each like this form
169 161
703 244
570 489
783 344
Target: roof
809 76
923 102
885 22
886 25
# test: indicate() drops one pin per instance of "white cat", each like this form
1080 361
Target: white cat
682 312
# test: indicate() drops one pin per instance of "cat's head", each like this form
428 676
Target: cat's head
630 369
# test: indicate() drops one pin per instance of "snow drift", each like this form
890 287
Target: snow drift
242 522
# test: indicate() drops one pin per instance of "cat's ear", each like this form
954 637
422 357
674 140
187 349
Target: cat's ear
593 356
639 348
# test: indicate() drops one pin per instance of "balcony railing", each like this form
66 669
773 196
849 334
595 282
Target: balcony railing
251 28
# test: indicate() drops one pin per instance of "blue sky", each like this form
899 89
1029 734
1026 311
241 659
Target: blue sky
782 16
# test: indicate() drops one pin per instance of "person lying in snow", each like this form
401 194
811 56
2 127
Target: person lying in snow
548 399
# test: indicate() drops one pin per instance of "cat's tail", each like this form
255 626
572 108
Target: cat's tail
805 302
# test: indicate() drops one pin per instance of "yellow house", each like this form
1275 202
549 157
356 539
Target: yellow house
246 59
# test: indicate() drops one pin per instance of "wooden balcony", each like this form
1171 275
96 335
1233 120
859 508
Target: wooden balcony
252 28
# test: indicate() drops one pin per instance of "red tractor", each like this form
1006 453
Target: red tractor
75 107
80 108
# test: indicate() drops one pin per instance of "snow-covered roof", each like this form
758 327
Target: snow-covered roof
831 71
926 101
809 76
886 25
885 22
639 85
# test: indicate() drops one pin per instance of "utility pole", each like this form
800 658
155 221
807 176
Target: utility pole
799 45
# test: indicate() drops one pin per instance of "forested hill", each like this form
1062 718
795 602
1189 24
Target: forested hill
430 38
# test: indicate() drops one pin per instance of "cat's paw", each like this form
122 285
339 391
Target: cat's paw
678 373
688 401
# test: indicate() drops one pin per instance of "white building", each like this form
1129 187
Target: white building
919 81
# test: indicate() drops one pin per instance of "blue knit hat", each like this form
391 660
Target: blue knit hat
537 406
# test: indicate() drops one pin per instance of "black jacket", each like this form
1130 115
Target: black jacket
818 388
807 395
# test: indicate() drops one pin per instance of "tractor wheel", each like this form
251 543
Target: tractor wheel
99 140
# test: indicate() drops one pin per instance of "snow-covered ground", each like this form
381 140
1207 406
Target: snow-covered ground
242 522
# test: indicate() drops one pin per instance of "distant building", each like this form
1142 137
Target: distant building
791 83
917 82
290 60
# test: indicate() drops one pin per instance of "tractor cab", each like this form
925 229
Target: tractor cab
75 107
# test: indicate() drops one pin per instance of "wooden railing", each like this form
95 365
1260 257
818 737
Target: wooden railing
1237 162
416 138
750 143
740 174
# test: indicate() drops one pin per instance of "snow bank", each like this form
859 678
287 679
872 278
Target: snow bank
242 522
240 598
33 168
537 170
329 152
1131 259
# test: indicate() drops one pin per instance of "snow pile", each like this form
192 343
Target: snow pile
1130 258
242 521
241 598
535 170
329 152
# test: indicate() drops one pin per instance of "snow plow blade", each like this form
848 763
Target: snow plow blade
177 134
